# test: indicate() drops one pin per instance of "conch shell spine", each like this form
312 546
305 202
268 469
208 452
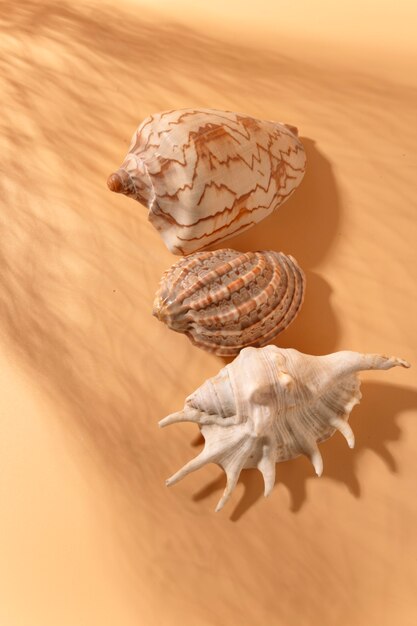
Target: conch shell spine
270 405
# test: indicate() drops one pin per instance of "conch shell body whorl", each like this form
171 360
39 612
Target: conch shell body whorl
270 405
206 175
227 300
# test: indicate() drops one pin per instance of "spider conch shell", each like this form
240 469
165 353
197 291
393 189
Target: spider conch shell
270 405
206 175
226 300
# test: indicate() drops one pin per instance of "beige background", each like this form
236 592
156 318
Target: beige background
89 534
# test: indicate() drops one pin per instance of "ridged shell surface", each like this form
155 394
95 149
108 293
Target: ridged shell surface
271 405
206 175
227 300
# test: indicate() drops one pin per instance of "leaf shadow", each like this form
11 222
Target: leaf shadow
77 83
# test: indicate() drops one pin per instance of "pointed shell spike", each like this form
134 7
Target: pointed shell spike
186 415
232 478
202 459
267 467
206 175
344 428
316 459
271 405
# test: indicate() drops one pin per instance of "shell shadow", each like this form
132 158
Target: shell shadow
316 329
305 227
375 424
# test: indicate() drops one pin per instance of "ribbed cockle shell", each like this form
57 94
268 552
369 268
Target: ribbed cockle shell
270 405
206 175
226 300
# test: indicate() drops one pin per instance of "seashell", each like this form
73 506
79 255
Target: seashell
206 175
270 405
226 300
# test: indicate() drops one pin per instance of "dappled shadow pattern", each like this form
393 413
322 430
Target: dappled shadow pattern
80 265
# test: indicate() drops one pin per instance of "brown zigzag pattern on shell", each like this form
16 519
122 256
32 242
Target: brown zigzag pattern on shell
206 175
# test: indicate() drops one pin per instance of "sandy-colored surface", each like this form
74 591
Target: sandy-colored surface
89 534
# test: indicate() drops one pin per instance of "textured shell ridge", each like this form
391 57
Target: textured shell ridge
225 300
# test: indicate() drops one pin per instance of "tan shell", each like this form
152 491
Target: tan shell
206 175
270 405
227 300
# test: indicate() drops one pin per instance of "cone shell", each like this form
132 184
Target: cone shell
271 405
206 175
226 300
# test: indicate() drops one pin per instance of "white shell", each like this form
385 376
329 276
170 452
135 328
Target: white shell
272 404
206 175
